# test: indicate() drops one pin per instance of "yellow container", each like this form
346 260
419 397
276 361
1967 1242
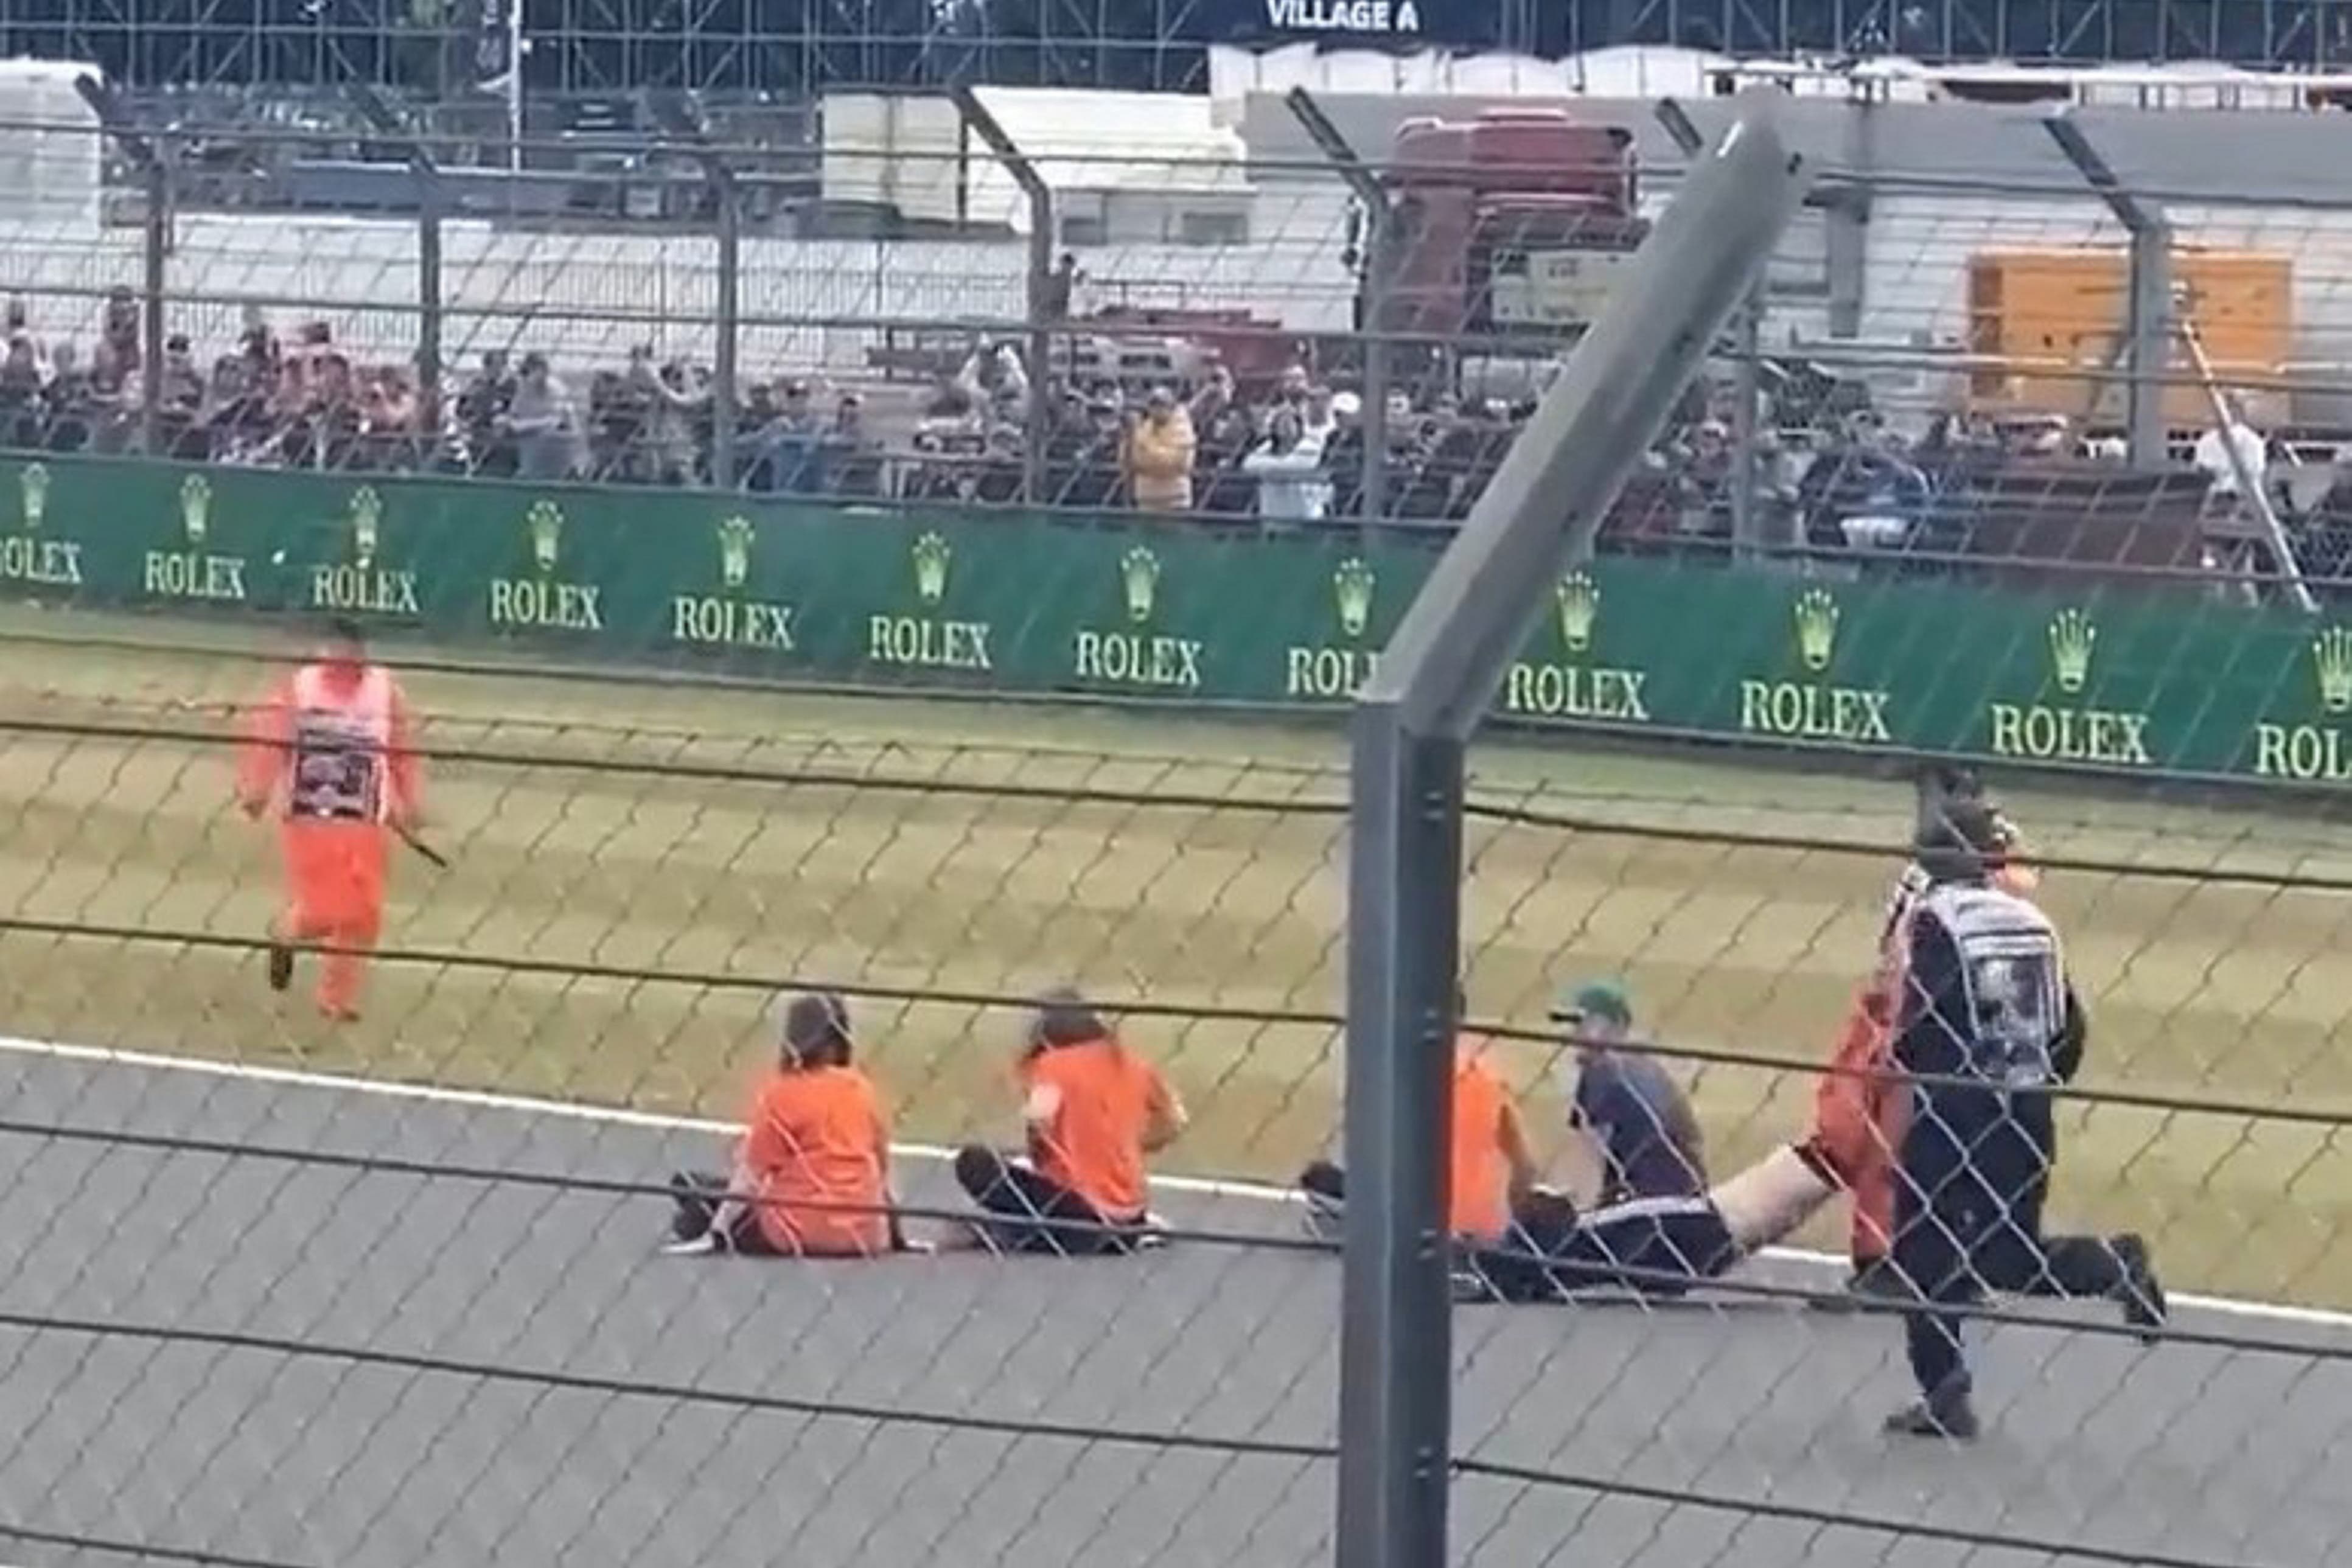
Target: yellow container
2044 323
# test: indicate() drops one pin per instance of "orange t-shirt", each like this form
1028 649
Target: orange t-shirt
1479 1183
1091 1140
818 1136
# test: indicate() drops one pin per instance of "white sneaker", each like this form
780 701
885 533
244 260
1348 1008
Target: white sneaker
693 1247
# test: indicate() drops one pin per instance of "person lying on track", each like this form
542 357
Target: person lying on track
812 1177
1657 1247
1095 1112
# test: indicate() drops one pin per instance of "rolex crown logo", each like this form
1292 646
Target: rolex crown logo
1351 590
932 554
734 551
2072 638
196 507
546 524
367 526
1138 578
33 486
1817 622
1579 598
2331 657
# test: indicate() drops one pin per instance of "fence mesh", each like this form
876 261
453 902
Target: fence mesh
295 1290
274 1299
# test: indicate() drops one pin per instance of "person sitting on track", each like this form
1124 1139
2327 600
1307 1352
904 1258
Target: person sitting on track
1490 1166
812 1176
1646 1141
1095 1112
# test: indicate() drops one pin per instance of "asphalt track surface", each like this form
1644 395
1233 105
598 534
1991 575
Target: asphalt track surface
415 1427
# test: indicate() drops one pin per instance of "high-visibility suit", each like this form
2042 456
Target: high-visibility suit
330 749
1860 1109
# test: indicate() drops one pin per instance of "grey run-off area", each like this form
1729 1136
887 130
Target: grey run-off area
2180 1452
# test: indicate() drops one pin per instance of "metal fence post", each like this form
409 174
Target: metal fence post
2144 348
1038 295
726 354
154 282
431 315
1412 723
1748 541
152 159
389 124
2150 326
1364 184
726 345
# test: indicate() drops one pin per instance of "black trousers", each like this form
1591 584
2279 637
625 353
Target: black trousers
698 1195
1970 1189
1656 1247
1027 1212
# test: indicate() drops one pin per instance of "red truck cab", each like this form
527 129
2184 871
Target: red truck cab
1506 229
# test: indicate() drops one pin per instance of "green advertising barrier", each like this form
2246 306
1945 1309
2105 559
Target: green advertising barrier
2141 680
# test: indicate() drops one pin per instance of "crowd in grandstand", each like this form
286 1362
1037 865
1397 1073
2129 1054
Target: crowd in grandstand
1829 473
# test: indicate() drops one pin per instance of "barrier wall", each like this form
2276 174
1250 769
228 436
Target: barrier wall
2145 681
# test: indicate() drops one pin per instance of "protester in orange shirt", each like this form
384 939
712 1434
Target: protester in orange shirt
1095 1111
812 1174
1490 1168
329 747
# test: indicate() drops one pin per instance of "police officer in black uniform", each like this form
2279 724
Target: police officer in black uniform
1989 1024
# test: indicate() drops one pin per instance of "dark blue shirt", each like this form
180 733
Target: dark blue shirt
1636 1112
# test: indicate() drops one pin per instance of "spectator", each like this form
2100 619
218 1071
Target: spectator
1289 468
856 462
482 408
544 423
1159 455
118 346
952 398
2229 447
180 404
24 385
793 445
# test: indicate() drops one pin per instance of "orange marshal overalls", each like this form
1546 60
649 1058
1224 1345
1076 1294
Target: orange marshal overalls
1860 1110
331 748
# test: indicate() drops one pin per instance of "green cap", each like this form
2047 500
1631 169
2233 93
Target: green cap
1602 999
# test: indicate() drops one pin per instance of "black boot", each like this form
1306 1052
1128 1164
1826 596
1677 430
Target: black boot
1947 1413
2141 1293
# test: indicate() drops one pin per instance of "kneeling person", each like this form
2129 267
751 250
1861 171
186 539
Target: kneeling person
812 1176
1095 1111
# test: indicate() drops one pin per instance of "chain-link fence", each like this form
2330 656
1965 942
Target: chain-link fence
291 1287
952 300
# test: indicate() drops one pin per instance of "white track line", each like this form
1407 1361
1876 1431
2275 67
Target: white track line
654 1120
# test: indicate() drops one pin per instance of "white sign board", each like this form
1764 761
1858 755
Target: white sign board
1559 288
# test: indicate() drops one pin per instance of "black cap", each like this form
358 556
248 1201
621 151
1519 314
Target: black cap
1963 840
